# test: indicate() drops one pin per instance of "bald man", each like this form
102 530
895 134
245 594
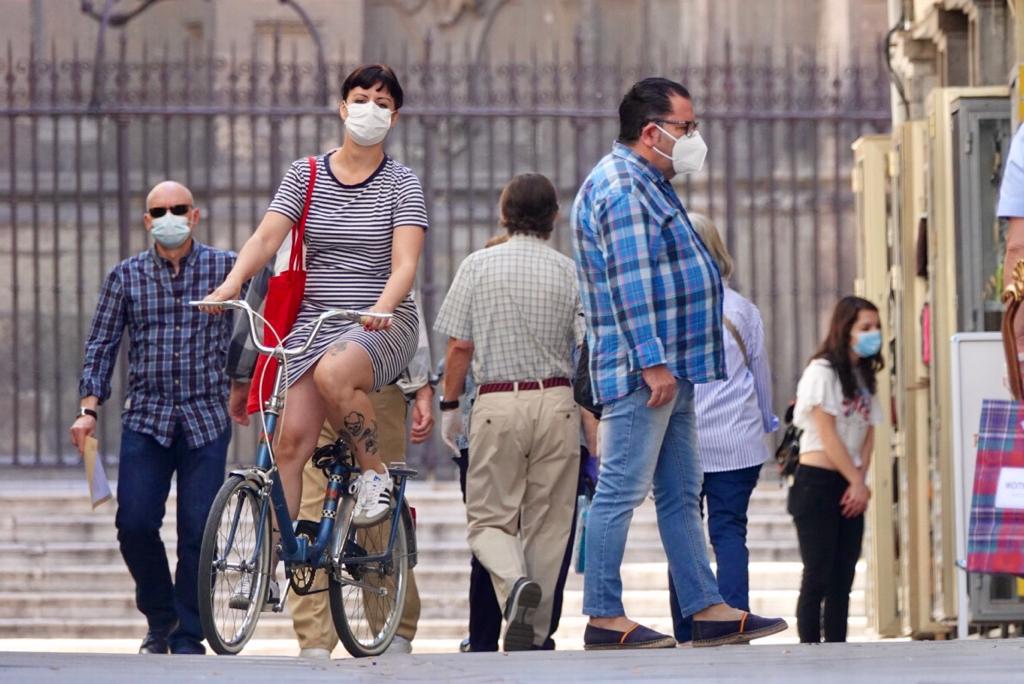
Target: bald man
174 418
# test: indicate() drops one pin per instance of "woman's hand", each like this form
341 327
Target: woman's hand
855 500
378 323
226 291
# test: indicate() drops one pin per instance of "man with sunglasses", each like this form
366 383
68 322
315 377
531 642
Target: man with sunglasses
174 417
652 295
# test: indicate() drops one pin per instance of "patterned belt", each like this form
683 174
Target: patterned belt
523 385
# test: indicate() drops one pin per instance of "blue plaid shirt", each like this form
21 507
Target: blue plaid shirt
176 354
651 292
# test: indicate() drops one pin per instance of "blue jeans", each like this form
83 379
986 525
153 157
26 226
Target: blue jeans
728 496
143 482
641 446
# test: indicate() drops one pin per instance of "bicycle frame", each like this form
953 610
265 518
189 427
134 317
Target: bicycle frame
297 548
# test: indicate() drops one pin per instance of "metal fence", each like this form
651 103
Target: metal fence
81 144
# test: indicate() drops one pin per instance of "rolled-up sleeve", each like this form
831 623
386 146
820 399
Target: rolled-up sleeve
624 234
761 372
104 339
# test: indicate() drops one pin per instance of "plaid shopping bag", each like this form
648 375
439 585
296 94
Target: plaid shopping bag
995 542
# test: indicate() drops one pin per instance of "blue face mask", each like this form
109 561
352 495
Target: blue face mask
171 231
868 344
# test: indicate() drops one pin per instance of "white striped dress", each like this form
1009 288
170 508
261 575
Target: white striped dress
348 239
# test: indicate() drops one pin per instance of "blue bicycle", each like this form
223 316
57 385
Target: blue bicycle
367 567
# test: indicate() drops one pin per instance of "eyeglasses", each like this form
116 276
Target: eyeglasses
177 210
689 127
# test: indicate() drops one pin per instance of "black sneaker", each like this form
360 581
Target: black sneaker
519 608
156 640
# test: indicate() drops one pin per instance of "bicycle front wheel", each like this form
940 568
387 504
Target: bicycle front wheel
368 599
234 565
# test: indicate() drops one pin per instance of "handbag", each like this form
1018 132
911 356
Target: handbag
281 305
787 456
995 540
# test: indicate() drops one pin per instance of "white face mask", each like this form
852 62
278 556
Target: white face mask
367 124
688 152
171 231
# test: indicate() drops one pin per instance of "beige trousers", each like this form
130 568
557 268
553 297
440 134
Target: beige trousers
311 615
523 467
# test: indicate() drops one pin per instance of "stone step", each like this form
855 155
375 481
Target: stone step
569 634
446 605
19 555
450 577
58 499
430 528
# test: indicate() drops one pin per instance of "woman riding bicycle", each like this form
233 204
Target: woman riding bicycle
363 237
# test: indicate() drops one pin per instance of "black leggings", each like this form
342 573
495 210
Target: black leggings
829 547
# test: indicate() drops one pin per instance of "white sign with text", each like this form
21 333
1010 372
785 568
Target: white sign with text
1010 490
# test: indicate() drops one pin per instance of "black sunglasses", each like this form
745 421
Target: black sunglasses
177 210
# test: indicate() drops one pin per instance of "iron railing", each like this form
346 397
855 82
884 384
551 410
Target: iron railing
75 166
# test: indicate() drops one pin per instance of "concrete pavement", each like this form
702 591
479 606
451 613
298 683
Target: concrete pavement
953 662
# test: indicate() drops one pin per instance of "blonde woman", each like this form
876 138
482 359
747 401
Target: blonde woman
733 416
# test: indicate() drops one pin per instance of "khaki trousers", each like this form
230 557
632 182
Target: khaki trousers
311 615
520 489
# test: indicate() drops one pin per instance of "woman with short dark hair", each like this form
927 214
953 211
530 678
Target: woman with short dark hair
364 233
837 409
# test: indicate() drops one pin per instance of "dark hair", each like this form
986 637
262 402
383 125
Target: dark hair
836 347
646 101
371 75
529 205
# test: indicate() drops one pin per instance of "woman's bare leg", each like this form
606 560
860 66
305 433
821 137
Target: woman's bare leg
344 377
303 418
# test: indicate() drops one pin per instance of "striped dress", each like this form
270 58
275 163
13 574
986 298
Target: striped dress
348 239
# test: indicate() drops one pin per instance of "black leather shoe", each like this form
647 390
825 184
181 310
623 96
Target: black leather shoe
156 640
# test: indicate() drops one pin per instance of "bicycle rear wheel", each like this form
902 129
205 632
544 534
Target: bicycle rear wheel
234 564
368 599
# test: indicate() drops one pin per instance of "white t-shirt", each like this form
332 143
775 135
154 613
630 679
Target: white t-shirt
820 386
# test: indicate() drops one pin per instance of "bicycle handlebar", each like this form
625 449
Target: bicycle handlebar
279 351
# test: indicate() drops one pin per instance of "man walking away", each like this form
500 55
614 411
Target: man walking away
513 310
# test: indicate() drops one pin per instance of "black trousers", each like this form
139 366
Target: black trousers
829 547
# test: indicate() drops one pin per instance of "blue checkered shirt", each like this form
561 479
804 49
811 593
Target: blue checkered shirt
176 354
651 292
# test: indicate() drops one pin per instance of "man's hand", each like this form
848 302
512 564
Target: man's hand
422 415
662 384
452 428
237 400
81 429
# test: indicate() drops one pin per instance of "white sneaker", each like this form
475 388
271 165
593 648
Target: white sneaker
373 500
315 654
399 646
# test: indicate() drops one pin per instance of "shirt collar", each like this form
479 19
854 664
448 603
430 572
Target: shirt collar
186 260
646 168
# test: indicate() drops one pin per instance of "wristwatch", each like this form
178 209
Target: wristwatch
449 405
83 411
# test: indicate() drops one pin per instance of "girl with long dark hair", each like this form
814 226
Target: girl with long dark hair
837 409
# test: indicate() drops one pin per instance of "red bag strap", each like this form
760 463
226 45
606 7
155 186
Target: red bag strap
295 261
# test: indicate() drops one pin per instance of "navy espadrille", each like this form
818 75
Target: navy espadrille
747 628
600 639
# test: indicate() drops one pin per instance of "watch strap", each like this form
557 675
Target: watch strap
83 411
449 405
